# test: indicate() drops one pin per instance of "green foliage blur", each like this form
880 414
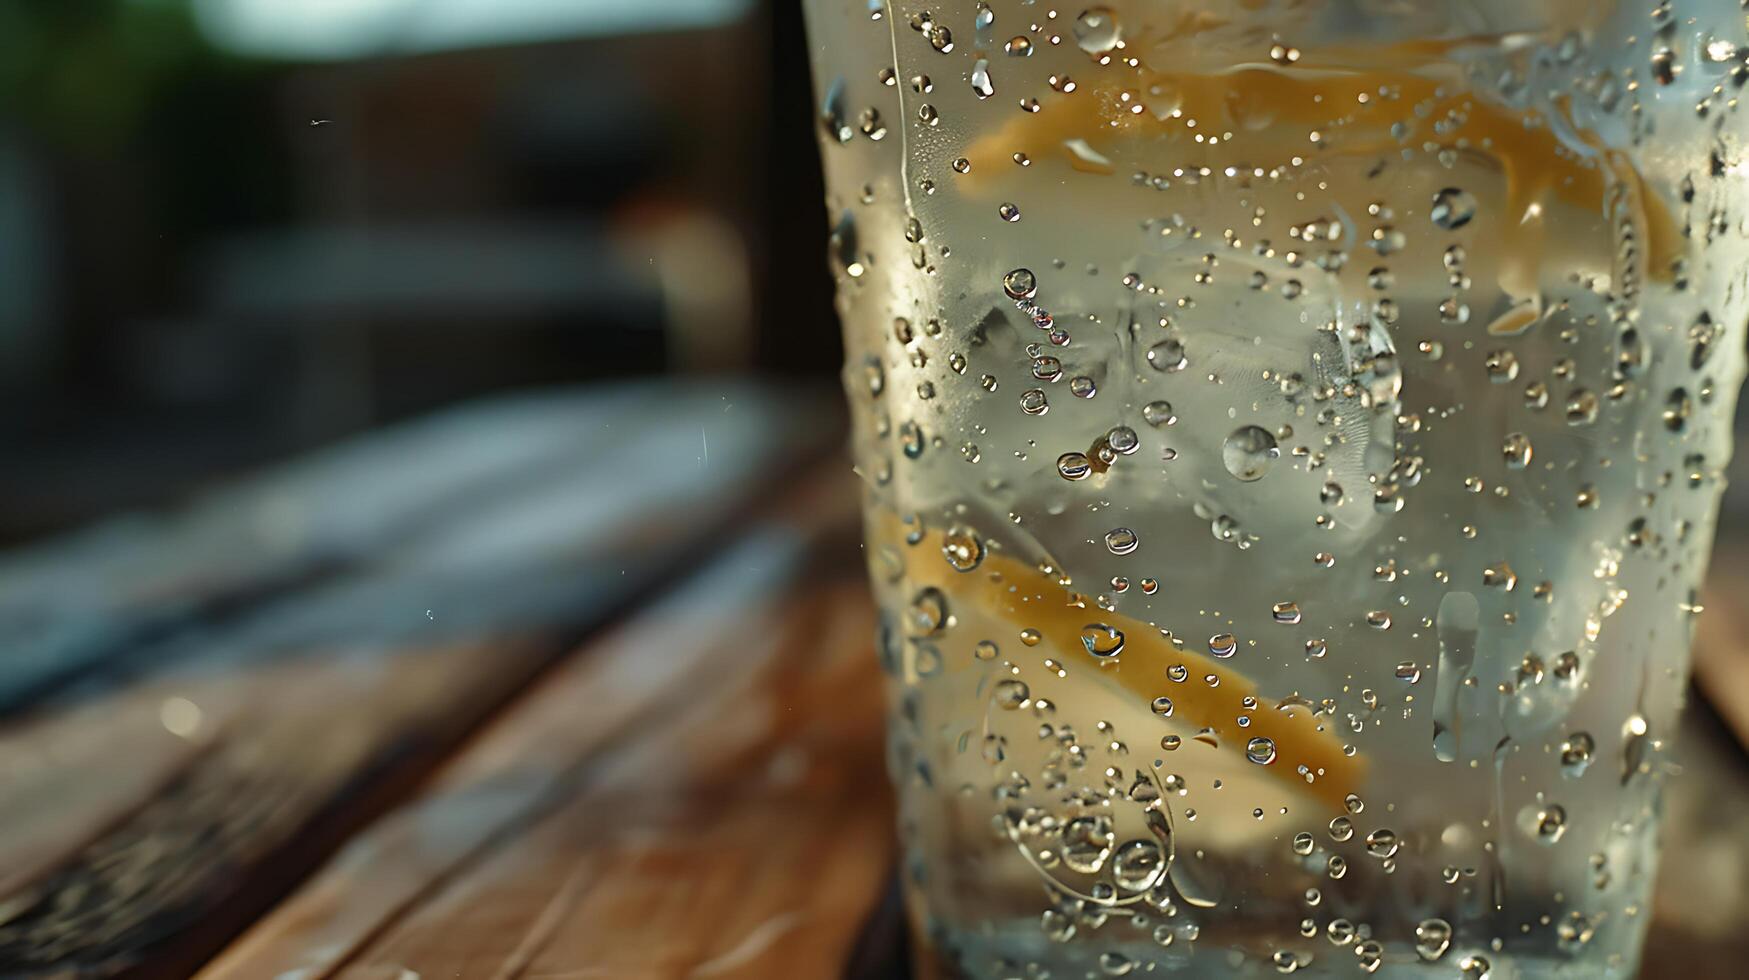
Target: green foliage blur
84 74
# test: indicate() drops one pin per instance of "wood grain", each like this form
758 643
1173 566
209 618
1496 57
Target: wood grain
178 784
701 796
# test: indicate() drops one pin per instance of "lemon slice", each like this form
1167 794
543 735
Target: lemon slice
1301 751
1269 114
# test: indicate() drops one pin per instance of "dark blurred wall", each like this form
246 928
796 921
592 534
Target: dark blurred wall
214 257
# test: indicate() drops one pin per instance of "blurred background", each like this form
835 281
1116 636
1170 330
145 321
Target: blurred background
235 233
232 230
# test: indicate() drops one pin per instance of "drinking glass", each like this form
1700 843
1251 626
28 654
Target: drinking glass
1292 432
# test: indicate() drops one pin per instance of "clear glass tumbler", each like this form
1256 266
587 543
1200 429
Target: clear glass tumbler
1292 433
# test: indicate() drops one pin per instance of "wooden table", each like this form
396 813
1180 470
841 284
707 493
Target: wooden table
449 702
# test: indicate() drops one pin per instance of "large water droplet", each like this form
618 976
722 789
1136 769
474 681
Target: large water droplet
1101 640
1249 452
1121 540
1576 753
1074 466
981 84
1516 450
1452 208
1168 355
1086 843
1260 750
1432 938
1137 865
1456 623
1010 695
928 612
1158 413
962 548
911 439
1097 30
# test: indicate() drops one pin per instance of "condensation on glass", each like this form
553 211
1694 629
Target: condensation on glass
1292 434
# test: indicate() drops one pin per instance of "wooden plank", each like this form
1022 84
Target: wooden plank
703 795
593 460
245 747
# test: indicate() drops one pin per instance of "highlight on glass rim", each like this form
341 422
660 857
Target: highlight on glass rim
1291 438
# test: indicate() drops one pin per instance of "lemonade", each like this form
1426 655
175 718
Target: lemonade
1292 434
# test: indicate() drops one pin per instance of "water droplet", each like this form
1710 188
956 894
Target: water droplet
1086 843
981 84
1368 954
1286 612
1315 649
1082 386
842 244
962 548
1408 672
1432 938
1137 865
1101 640
1115 964
1033 402
1452 208
1546 824
928 612
1010 695
1097 30
1019 283
1677 410
871 125
1018 46
1502 366
1170 742
1581 407
1635 746
1516 450
1047 368
1249 452
1030 637
1158 413
1057 927
1664 66
1260 750
1123 439
985 650
1008 212
1074 466
1378 619
1382 843
940 38
1167 355
1303 844
911 439
1476 968
1576 753
1341 829
1121 540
